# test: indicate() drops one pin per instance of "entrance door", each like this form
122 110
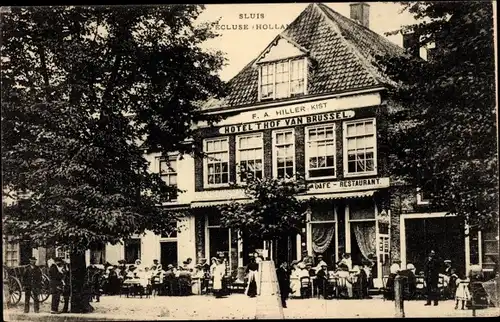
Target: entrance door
168 254
250 244
444 235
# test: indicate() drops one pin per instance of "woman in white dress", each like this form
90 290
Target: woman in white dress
218 274
295 279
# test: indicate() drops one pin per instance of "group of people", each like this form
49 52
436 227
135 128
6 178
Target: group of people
290 276
454 285
59 285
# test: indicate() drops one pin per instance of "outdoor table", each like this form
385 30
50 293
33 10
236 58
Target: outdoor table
196 285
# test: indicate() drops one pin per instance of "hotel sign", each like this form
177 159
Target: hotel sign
287 122
348 185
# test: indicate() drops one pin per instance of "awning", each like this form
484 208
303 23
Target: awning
203 204
338 195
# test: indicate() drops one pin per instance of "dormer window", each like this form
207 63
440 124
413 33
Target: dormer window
282 79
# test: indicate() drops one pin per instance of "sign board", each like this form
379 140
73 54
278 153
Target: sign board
348 185
293 121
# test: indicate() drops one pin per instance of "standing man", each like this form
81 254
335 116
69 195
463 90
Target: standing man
56 276
66 287
283 282
431 273
32 281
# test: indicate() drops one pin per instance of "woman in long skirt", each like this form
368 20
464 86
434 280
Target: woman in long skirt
218 275
252 270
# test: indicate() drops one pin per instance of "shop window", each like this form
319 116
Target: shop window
168 173
132 250
216 161
320 151
363 232
249 156
284 153
360 148
282 79
322 229
490 250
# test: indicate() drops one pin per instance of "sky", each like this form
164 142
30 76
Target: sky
241 46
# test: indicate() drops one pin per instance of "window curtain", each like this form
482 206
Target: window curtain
366 237
322 236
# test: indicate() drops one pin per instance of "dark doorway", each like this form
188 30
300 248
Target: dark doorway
250 244
286 250
168 254
132 250
444 235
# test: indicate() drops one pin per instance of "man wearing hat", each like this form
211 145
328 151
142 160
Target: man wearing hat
431 273
320 264
56 276
32 282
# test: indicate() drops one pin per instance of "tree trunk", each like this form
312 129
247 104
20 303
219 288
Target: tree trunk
80 296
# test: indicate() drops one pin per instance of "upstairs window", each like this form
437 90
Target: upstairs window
282 79
249 156
360 147
168 173
284 153
422 197
320 151
216 161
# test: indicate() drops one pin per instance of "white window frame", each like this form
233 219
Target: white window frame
274 68
344 143
65 254
171 157
12 256
311 222
205 163
308 152
420 198
275 151
238 153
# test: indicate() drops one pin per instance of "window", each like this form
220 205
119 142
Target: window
362 232
98 253
132 250
322 232
284 153
217 161
61 252
249 156
360 148
282 79
11 253
422 198
168 173
267 81
320 151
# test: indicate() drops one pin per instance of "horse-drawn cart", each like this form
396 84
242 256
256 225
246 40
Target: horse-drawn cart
13 279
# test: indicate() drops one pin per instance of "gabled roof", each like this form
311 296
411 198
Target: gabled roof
343 52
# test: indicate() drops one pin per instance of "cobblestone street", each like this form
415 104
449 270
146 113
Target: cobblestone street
238 306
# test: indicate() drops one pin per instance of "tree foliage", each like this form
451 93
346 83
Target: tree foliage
272 211
85 91
443 135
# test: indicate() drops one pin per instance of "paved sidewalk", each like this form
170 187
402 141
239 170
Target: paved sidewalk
374 308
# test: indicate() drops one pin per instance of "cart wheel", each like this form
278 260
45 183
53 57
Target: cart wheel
45 289
15 290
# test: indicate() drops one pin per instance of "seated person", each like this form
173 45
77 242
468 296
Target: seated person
394 270
310 269
346 261
411 279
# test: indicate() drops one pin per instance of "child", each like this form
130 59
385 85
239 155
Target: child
462 293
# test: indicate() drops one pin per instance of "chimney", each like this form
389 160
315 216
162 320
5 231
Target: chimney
360 12
411 43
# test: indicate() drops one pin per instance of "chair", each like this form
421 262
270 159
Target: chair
357 287
341 286
385 290
305 287
419 287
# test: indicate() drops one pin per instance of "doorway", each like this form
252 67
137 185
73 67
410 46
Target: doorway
444 235
250 244
168 254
